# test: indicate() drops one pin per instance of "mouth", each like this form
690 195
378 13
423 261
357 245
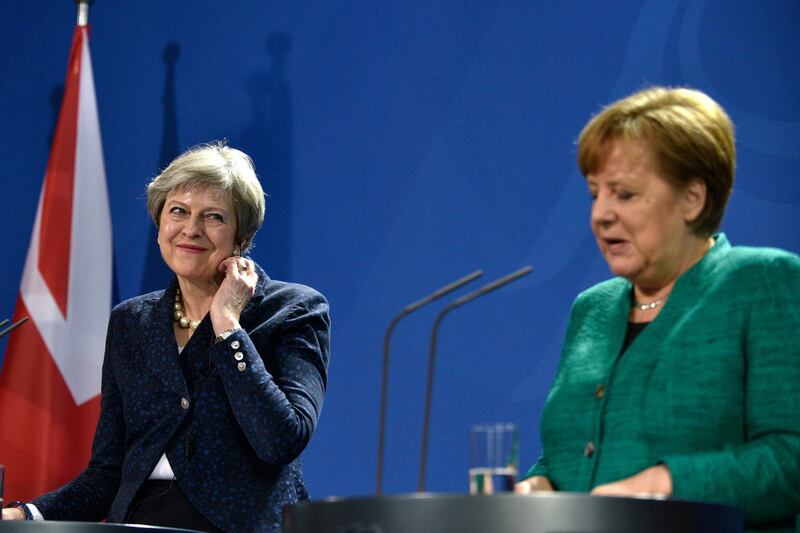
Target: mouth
613 244
190 248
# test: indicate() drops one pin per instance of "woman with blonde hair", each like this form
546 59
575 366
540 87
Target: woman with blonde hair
680 376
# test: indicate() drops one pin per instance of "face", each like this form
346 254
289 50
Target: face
196 232
638 218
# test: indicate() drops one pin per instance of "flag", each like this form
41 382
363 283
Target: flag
50 381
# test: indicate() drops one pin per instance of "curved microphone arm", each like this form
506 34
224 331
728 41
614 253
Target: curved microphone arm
447 289
13 326
458 302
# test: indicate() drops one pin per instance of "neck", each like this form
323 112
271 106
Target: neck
697 247
197 297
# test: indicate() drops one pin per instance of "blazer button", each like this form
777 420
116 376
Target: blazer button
599 392
184 403
241 366
235 345
238 356
588 450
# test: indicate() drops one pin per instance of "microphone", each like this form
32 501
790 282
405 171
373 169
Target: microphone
458 302
447 289
13 326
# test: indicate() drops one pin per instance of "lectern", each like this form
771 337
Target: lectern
509 513
11 526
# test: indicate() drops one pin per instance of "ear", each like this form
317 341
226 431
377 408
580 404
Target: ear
693 199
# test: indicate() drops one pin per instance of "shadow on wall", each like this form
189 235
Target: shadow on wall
268 139
156 274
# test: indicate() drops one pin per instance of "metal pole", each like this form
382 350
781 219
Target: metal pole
83 11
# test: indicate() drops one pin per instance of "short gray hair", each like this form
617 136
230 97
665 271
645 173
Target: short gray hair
218 167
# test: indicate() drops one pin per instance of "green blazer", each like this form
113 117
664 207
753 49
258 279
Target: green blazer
711 387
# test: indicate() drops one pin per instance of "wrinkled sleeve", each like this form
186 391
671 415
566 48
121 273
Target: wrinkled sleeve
278 409
761 476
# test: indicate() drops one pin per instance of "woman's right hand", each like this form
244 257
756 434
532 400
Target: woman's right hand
533 484
13 513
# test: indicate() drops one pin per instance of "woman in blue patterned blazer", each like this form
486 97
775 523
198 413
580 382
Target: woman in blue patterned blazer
212 387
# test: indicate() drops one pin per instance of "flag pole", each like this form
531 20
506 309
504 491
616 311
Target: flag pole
83 12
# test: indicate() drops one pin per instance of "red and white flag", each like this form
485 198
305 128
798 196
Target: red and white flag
50 381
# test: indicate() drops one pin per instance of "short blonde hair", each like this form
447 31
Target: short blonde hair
218 167
690 134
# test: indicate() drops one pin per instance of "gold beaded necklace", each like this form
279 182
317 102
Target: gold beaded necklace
182 320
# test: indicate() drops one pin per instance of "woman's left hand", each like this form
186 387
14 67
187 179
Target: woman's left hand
655 480
236 289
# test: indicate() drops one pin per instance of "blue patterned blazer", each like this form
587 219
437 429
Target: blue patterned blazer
232 417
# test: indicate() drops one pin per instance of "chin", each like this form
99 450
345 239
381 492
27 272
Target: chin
619 268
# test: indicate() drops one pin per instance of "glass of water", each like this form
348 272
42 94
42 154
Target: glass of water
494 458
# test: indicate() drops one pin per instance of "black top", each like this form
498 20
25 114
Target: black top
634 328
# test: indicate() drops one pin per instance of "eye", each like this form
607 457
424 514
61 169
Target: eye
624 195
215 217
177 210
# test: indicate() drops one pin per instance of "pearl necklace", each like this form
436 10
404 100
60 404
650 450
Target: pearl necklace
182 320
649 306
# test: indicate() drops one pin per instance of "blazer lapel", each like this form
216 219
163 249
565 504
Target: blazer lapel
159 350
617 325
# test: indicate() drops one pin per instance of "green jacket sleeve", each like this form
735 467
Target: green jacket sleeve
761 476
539 469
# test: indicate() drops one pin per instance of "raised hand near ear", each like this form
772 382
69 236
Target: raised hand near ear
237 287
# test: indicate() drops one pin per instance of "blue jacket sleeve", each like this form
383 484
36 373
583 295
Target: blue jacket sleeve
276 388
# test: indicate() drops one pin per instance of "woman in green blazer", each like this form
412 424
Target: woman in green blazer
681 376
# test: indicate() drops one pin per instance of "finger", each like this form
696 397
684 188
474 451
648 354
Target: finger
233 265
611 489
227 264
523 487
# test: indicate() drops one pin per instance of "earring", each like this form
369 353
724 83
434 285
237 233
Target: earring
236 252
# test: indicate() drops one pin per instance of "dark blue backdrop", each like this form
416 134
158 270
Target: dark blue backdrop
403 146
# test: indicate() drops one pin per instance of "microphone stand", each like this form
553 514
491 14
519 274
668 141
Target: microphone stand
447 289
13 326
458 302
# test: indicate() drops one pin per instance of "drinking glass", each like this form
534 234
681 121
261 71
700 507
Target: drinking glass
494 458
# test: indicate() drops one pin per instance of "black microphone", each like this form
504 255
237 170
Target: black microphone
447 289
13 326
458 302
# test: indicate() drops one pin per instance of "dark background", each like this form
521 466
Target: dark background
403 144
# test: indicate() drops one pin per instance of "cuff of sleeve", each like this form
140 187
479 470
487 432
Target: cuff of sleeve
686 473
26 510
34 511
536 470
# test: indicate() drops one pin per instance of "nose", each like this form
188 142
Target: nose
602 210
193 226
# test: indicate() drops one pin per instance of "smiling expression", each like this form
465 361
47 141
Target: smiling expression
639 218
196 232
